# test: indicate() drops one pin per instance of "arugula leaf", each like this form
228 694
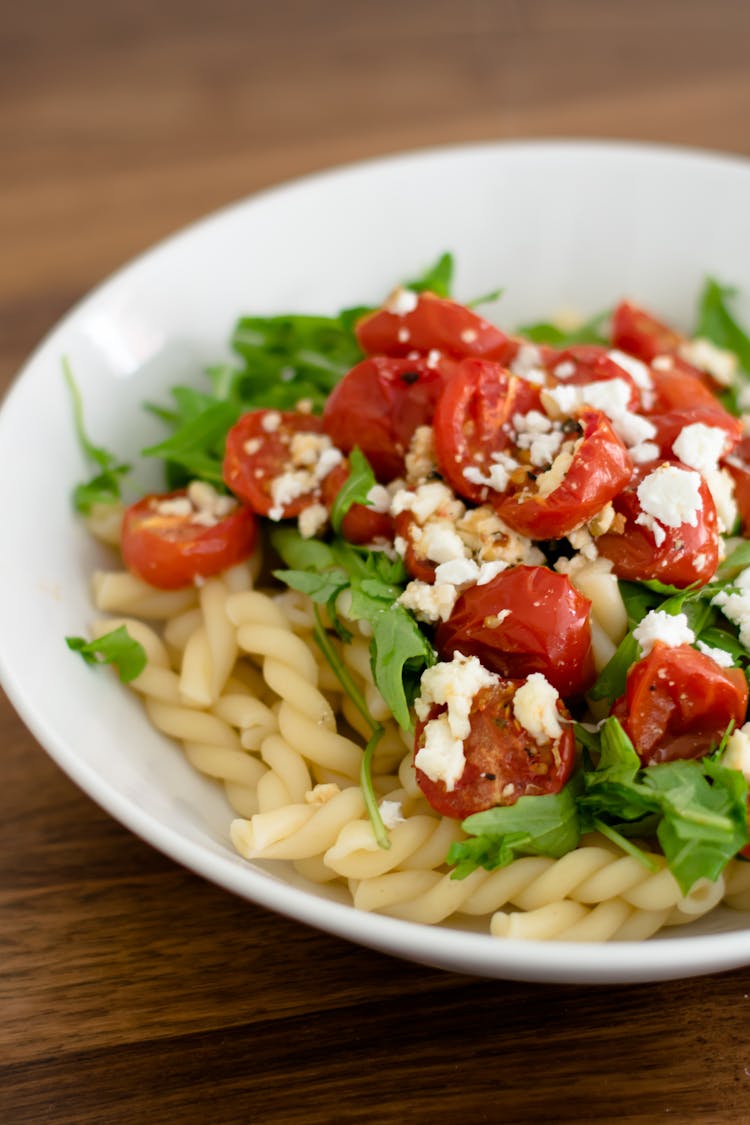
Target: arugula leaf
197 445
546 825
355 490
117 648
104 486
717 324
437 279
547 332
737 560
400 652
697 808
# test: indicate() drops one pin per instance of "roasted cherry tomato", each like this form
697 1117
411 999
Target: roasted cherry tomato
678 703
378 405
169 541
526 619
434 323
599 469
263 446
684 555
681 387
416 566
473 421
362 523
590 363
638 332
503 761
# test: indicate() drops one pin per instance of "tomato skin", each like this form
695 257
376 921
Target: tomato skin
249 475
169 551
473 420
600 469
361 524
678 703
435 323
503 761
545 630
681 388
378 405
640 334
687 555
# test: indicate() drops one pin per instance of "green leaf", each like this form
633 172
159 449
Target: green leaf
355 489
399 652
197 445
547 332
117 648
320 587
736 561
437 279
532 826
717 323
104 486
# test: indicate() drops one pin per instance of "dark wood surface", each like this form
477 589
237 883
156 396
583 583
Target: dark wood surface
131 990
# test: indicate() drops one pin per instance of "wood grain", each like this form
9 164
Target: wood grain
131 990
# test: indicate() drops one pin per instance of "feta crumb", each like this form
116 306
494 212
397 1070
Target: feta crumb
636 369
454 684
671 495
720 363
457 572
643 452
723 658
700 446
737 753
403 335
662 363
490 570
391 813
401 301
379 499
736 606
564 370
271 421
535 708
669 628
429 603
469 335
441 755
311 520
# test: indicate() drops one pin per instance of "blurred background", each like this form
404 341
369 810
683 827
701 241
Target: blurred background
121 121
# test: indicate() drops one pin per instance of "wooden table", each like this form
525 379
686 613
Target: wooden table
133 991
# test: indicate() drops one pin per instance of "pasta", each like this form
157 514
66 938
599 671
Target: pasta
238 684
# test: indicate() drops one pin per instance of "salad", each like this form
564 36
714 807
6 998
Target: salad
519 561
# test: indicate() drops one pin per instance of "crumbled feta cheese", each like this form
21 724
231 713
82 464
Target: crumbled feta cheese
635 368
458 572
643 452
271 421
564 401
173 506
429 603
469 335
252 445
535 708
497 478
424 501
671 495
653 526
391 813
403 335
737 753
662 363
453 683
490 570
564 370
736 606
439 542
441 755
433 357
723 658
311 520
700 446
669 628
527 363
720 363
379 499
401 301
581 540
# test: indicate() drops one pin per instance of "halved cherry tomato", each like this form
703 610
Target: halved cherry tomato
361 524
526 619
638 332
473 420
166 547
503 761
434 323
600 468
678 703
378 405
259 450
681 387
686 554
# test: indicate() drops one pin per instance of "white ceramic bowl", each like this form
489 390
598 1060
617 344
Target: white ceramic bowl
575 224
